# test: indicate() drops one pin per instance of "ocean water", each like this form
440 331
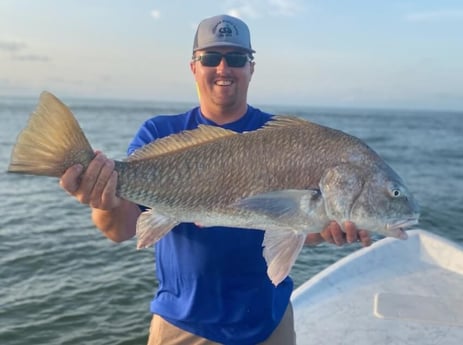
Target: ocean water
62 282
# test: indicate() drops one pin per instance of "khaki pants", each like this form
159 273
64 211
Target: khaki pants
164 333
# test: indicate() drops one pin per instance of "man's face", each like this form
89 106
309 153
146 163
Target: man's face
222 86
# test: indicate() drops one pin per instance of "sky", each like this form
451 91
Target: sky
333 53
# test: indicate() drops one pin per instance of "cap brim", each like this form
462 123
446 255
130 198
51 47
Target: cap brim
223 44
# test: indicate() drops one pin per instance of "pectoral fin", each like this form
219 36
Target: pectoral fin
281 249
283 203
151 227
292 209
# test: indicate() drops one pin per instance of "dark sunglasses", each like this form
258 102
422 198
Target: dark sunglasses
212 59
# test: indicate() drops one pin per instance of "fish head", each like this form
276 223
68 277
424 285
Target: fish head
373 197
385 205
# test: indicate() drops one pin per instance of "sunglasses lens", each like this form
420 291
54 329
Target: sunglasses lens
236 60
213 59
210 59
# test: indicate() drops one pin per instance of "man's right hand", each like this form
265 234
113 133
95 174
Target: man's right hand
96 186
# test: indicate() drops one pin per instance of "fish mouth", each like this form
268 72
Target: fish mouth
397 229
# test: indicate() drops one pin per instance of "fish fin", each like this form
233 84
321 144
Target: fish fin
179 141
281 249
151 227
51 142
283 203
279 121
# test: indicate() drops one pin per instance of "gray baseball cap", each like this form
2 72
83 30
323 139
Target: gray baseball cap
222 31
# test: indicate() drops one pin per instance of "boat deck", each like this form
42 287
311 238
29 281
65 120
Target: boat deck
393 292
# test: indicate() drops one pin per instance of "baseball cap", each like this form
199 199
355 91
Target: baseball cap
222 31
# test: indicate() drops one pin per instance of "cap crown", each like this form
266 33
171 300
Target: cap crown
222 31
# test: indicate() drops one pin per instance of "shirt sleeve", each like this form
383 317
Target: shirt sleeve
147 133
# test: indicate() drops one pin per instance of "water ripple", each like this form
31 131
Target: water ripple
63 283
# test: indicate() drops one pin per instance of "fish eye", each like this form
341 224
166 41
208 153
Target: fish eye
396 193
395 190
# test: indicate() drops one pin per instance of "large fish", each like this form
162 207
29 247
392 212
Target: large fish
289 178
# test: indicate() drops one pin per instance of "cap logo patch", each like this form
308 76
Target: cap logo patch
224 28
226 31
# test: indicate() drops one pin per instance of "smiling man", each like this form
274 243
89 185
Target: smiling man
222 45
213 283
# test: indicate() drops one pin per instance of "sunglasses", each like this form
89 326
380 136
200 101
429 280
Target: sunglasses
212 59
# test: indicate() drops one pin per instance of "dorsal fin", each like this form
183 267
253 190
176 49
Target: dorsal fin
279 121
204 134
179 141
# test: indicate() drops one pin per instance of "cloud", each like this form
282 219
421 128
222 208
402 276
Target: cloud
156 14
260 8
284 7
19 51
243 11
11 46
434 16
31 57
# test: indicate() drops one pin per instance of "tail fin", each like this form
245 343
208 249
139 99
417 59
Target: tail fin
51 142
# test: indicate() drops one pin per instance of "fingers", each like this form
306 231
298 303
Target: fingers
351 232
109 199
365 238
96 186
98 179
89 180
335 235
70 180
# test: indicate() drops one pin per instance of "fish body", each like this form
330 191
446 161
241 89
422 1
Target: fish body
290 178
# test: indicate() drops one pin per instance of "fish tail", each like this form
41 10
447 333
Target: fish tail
51 142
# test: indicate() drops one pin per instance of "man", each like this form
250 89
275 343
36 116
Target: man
213 286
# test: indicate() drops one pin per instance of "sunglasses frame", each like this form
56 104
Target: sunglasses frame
226 56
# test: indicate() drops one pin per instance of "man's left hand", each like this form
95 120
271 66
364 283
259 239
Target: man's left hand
334 234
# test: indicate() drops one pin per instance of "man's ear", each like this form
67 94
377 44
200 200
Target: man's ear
193 67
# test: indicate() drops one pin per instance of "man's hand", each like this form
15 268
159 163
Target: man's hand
96 186
334 234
